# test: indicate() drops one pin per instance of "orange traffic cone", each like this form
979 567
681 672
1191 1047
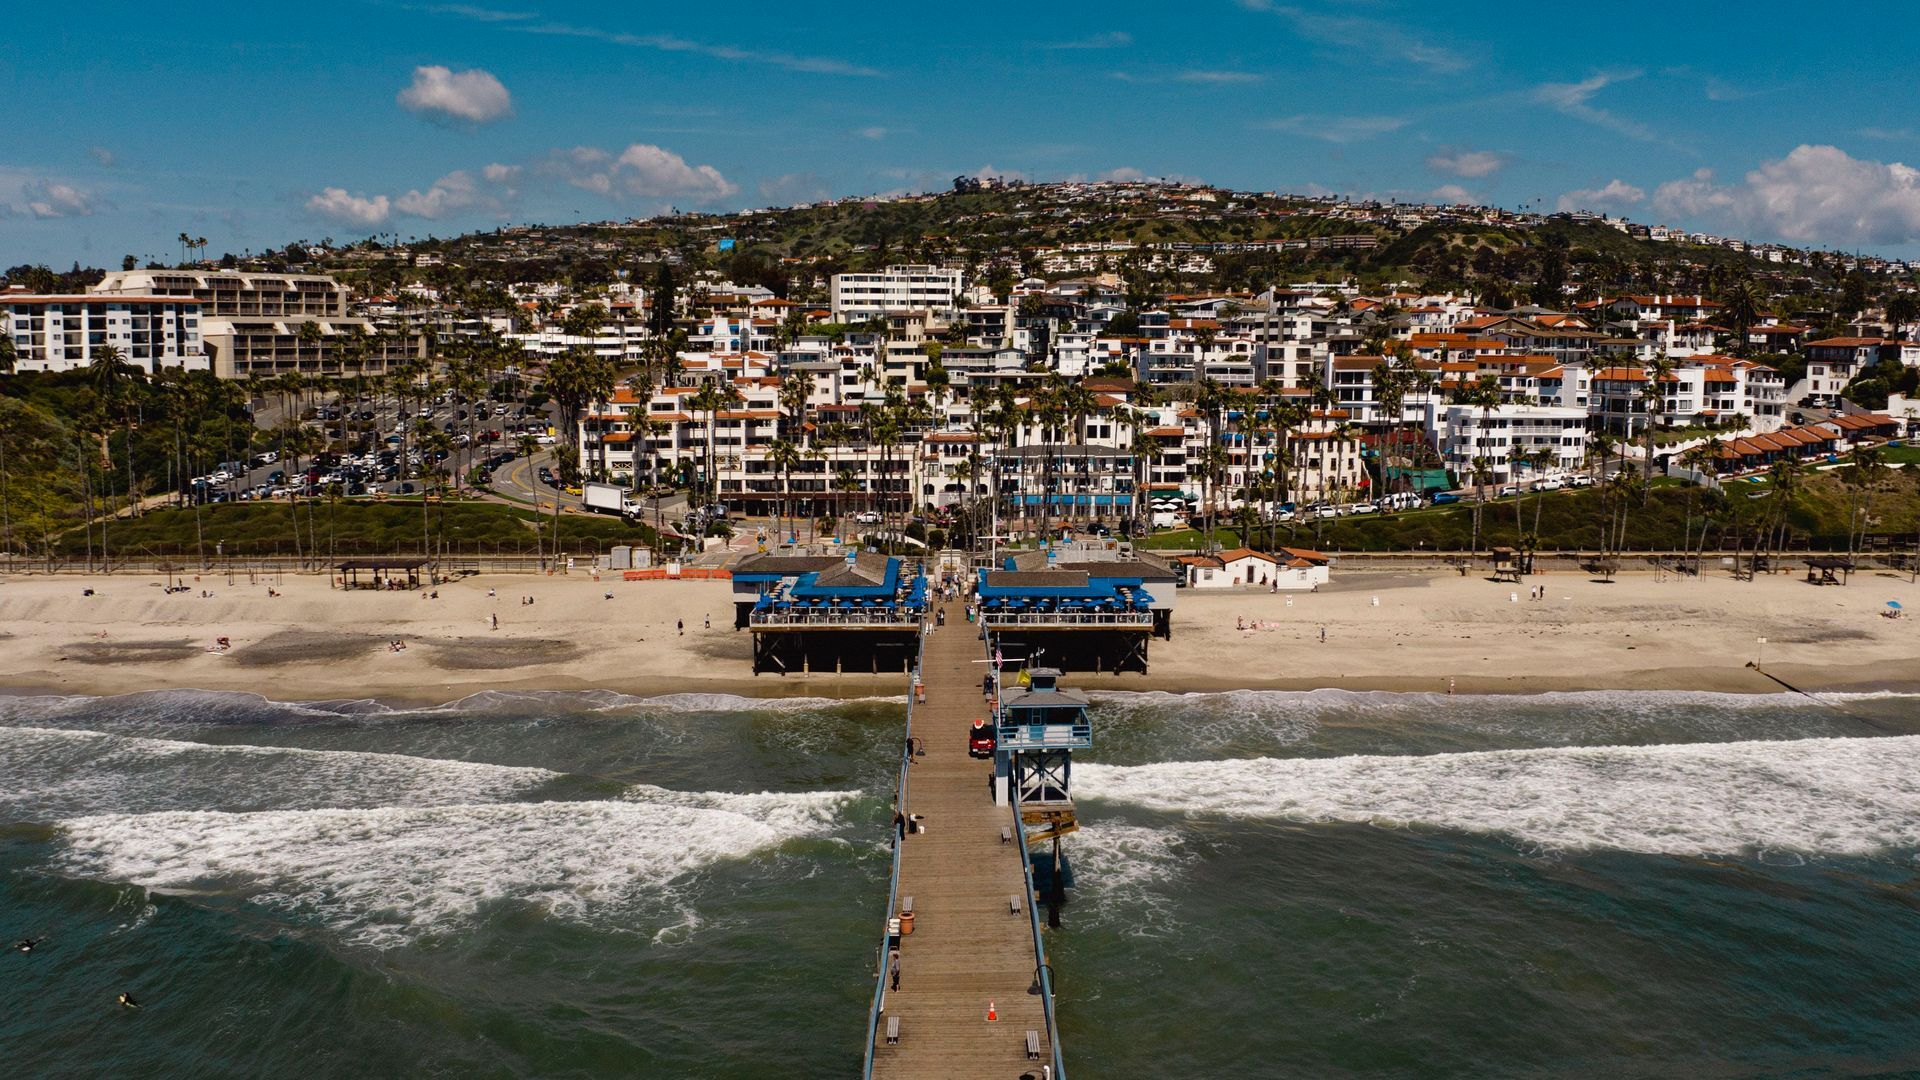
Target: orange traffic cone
991 1015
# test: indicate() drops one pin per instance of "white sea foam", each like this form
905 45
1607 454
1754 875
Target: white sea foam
177 710
49 773
1119 870
1838 796
383 877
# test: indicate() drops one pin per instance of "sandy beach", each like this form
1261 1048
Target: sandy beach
1383 631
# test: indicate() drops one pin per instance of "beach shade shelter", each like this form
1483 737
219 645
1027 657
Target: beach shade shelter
1822 570
382 570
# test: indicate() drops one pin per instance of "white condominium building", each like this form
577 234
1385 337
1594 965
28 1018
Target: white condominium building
229 293
1504 434
899 288
257 324
61 333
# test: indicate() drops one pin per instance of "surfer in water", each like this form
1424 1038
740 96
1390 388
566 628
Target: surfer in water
126 1000
26 944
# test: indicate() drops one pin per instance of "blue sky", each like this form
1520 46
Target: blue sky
130 124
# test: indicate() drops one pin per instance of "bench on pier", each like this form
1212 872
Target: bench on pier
893 1031
1013 903
906 904
1006 834
1033 1045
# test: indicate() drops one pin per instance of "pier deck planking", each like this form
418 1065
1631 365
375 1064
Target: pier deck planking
965 949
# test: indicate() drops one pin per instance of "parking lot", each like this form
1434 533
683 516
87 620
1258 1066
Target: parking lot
376 450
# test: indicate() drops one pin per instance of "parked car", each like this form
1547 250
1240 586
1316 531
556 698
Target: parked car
1583 480
544 439
1444 498
1363 508
868 517
1549 485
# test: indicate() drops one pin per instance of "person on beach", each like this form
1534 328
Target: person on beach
707 622
496 620
681 626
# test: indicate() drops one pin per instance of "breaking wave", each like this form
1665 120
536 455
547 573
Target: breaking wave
382 877
1837 796
51 773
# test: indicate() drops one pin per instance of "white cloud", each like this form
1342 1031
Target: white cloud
1114 39
1814 195
641 170
453 194
1369 37
873 132
1452 193
450 194
1472 164
1219 78
28 191
56 198
1889 134
817 65
1574 99
338 204
1337 129
1616 192
473 96
794 187
988 172
1124 174
103 155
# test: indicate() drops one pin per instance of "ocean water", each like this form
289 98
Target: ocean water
1272 884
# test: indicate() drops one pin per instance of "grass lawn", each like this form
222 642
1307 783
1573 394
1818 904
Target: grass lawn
353 527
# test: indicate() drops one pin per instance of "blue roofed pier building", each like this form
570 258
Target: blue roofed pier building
858 612
1077 607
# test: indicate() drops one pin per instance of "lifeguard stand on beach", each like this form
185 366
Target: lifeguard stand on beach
1506 565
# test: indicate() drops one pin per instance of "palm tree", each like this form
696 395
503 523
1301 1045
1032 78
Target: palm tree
1902 310
1482 472
113 381
1659 375
1787 475
1866 473
528 445
1078 404
1145 450
1744 304
1697 458
782 457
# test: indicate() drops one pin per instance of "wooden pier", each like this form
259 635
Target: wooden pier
972 940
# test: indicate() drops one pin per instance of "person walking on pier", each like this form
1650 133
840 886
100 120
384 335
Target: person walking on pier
896 969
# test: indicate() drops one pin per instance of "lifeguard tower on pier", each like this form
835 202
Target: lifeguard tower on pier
1036 732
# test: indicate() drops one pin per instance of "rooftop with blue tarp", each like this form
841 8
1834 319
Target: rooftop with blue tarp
1060 589
864 583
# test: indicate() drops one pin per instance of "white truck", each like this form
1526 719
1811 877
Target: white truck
608 499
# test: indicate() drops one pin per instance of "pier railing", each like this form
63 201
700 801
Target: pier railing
848 618
998 619
1043 972
893 882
